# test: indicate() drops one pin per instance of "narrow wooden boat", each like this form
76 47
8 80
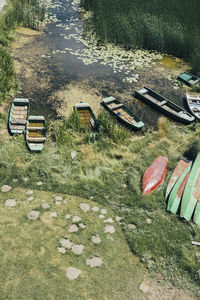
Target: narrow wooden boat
154 174
189 79
35 133
177 191
87 117
192 191
122 113
196 218
193 103
18 115
180 168
164 105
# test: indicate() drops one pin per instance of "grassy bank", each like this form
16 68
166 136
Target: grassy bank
171 27
109 172
29 13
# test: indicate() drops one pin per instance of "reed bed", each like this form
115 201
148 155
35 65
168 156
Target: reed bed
167 26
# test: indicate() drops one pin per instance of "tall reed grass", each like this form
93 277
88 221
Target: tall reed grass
29 13
167 26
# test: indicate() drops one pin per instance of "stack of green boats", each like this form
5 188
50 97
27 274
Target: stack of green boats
183 190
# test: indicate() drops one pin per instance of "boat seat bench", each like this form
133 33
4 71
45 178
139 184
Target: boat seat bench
18 121
116 106
36 139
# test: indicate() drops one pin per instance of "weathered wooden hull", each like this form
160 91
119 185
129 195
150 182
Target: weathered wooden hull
180 168
164 105
136 126
154 175
18 115
177 191
192 191
86 114
35 133
194 108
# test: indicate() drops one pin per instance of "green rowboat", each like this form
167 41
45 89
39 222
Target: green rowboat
196 218
177 191
189 79
35 133
192 191
18 115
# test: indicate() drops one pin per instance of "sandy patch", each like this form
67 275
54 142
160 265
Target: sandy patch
65 99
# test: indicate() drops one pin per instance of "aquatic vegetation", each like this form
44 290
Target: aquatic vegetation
170 27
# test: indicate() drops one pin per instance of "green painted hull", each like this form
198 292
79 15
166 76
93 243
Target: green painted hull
177 191
196 218
192 191
180 168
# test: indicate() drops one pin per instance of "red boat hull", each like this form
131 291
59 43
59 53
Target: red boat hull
154 175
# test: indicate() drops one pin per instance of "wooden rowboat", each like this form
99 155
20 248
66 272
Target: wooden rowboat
193 103
87 117
154 174
189 79
164 105
122 113
177 191
180 168
35 133
192 191
18 115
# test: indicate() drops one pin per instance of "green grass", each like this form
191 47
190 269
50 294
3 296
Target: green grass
32 267
110 174
170 27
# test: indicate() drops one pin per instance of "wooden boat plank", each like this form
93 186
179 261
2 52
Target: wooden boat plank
180 168
192 191
177 191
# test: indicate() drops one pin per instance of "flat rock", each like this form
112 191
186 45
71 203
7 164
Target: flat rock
62 250
118 219
109 229
96 239
58 202
77 249
72 273
109 220
6 188
54 214
39 183
15 180
73 228
101 216
144 287
10 202
67 216
149 221
33 215
29 192
76 219
58 198
66 243
73 154
45 205
30 199
95 208
82 226
131 226
94 262
85 207
104 211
